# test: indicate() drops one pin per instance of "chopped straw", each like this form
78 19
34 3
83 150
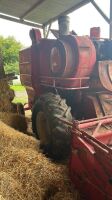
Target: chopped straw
6 96
7 108
14 120
12 138
1 198
26 174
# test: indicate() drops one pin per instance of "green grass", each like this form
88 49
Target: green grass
20 100
17 87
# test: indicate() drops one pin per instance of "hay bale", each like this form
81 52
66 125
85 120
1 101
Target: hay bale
6 96
9 110
9 137
14 120
34 176
1 197
10 188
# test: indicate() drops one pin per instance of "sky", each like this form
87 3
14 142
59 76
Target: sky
81 21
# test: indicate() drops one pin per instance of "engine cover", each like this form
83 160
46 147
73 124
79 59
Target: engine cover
72 56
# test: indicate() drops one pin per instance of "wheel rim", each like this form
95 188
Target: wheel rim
41 126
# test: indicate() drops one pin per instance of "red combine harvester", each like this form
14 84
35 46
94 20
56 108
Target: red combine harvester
69 79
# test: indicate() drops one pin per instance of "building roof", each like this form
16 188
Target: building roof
37 12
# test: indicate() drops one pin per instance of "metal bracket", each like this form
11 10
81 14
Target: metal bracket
46 30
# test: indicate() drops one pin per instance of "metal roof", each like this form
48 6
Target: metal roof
37 12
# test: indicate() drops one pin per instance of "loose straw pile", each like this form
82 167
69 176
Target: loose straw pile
14 120
26 174
6 96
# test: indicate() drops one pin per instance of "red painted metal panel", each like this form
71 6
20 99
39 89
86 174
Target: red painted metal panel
91 161
75 55
25 65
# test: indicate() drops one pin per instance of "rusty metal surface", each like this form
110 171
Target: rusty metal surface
110 72
106 102
94 127
62 59
75 57
91 163
64 83
98 127
105 74
97 104
26 73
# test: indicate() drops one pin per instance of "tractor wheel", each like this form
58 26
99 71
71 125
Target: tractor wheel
55 139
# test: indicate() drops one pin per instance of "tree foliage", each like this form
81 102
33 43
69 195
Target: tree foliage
10 53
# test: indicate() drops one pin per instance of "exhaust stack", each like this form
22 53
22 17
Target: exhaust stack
64 23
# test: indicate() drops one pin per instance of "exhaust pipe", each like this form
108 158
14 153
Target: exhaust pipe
64 24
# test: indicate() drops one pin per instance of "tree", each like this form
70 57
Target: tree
10 52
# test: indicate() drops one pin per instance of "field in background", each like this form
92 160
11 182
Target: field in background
17 87
20 94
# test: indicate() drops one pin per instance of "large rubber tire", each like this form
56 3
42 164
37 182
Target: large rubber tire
57 141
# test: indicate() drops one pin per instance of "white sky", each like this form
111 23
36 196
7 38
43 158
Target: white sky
80 21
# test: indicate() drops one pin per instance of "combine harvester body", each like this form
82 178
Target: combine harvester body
79 69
